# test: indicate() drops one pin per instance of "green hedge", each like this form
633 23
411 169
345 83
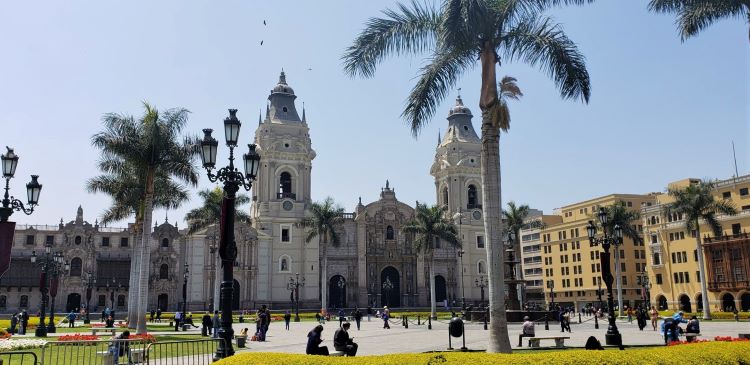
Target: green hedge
715 353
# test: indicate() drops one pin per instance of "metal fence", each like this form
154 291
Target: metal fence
18 358
120 351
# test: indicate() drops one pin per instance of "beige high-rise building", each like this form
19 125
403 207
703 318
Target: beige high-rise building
572 268
673 257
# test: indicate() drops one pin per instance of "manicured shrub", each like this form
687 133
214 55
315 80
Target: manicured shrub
715 353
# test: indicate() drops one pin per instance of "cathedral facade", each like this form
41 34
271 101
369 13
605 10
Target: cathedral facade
374 264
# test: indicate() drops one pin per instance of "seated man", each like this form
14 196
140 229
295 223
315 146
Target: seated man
526 331
692 327
121 347
342 341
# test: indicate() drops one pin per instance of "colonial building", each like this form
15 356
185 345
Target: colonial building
674 271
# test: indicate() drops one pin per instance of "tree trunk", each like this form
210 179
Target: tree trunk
618 276
491 200
433 312
324 275
133 280
145 253
702 273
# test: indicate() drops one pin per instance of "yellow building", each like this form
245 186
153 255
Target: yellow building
673 257
572 267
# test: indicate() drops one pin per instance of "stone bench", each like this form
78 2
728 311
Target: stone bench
103 329
559 341
337 353
744 335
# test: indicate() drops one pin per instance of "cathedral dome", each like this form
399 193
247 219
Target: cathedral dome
282 86
459 108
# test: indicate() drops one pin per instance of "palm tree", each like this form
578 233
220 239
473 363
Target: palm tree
210 212
456 35
151 145
696 202
325 218
127 189
695 15
514 218
619 215
429 225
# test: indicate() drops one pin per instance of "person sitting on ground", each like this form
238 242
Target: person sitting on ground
692 327
313 342
189 321
593 344
527 330
342 341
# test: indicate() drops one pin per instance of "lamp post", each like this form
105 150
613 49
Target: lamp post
50 263
233 179
33 188
511 281
387 287
55 271
551 286
645 288
613 336
599 293
341 284
481 283
184 295
112 293
463 292
90 282
294 284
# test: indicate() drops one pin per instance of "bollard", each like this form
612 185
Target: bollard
546 323
485 321
429 322
579 317
418 321
596 322
406 321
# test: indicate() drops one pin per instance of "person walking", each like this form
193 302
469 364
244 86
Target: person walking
314 340
385 316
216 323
369 313
151 315
177 319
287 319
24 321
527 330
13 323
206 324
342 341
357 317
342 317
654 316
158 315
630 315
71 319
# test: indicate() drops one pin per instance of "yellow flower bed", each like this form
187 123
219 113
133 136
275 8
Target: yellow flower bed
714 315
715 353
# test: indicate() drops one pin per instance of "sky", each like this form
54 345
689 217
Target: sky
660 110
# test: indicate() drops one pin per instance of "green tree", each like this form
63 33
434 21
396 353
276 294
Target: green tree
515 217
457 35
427 227
696 202
324 219
126 187
151 145
695 15
210 212
619 215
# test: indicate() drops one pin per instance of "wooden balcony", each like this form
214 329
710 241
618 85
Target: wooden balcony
727 262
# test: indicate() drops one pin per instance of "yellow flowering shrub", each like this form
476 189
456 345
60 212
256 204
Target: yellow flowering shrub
714 353
714 315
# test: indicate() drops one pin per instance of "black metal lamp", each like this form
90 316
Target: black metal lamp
252 162
209 146
232 128
10 162
33 189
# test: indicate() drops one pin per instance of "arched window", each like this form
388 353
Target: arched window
285 183
471 195
480 267
78 240
24 303
165 242
164 272
284 263
101 300
389 233
120 300
445 195
75 266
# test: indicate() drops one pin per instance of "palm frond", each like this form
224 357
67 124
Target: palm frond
538 41
406 30
693 16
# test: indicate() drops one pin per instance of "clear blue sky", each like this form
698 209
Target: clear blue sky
660 110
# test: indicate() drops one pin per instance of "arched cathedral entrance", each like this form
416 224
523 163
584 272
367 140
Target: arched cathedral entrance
390 286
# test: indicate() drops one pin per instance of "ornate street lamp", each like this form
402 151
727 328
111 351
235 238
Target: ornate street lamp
481 283
512 281
551 286
33 188
294 285
54 278
184 294
645 288
463 292
613 336
51 264
232 179
90 282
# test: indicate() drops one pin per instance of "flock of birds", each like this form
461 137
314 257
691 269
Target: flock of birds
261 41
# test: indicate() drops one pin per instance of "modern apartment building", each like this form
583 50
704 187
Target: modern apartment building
531 257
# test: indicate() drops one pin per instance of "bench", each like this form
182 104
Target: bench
337 353
559 341
137 355
744 335
103 329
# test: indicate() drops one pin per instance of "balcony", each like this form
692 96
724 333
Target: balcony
718 286
473 206
292 196
727 262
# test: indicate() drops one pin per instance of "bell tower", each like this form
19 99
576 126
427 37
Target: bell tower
281 196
